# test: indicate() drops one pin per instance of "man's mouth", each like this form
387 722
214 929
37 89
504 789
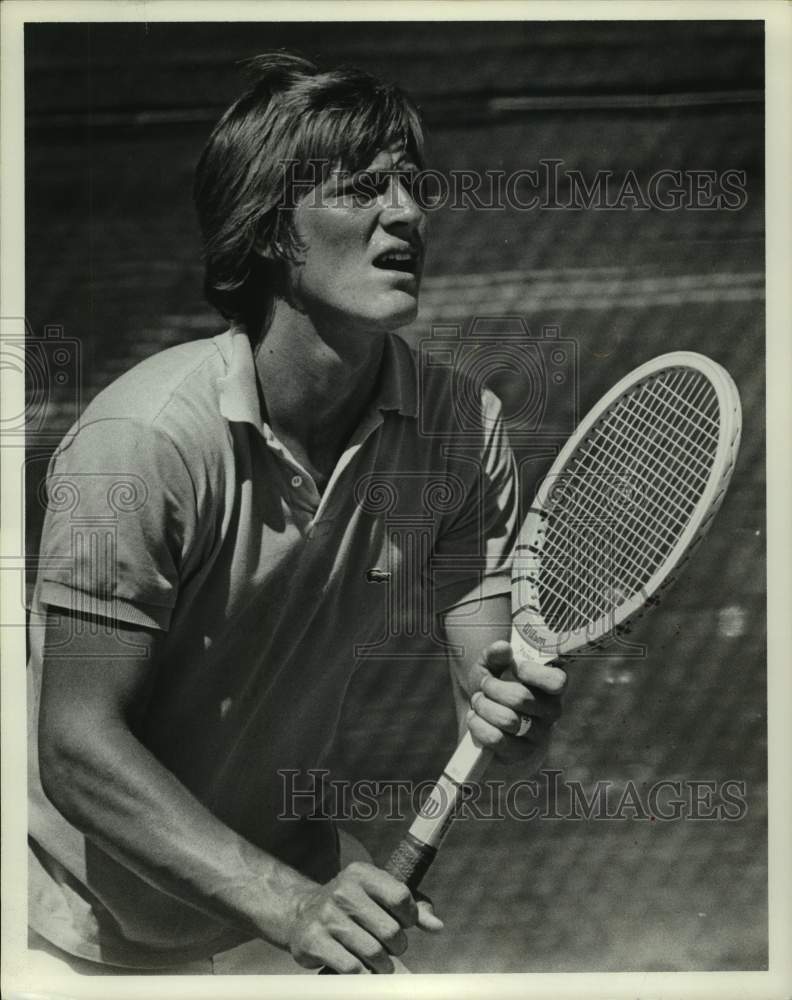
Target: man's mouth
405 261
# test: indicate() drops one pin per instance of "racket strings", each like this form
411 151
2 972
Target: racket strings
631 489
671 519
645 471
588 538
599 511
700 417
694 451
633 465
697 451
622 444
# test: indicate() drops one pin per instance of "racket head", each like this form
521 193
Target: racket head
631 493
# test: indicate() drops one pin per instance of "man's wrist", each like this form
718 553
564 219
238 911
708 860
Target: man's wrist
267 895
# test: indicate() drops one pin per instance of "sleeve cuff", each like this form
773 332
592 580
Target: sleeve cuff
116 609
451 595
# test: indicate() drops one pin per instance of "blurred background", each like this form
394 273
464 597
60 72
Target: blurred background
116 118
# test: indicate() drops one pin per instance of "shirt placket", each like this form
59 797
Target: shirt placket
302 482
304 488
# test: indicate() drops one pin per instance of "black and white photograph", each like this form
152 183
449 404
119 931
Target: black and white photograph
385 511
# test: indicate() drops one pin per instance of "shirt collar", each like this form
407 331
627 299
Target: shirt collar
399 378
238 388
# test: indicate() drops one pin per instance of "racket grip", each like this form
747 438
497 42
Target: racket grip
408 863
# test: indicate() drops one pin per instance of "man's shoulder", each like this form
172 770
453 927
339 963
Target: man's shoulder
155 388
167 401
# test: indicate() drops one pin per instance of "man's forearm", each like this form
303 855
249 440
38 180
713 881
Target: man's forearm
123 799
506 697
472 628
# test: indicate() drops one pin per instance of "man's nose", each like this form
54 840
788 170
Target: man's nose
400 206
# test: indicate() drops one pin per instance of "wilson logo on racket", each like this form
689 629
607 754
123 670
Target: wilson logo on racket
432 805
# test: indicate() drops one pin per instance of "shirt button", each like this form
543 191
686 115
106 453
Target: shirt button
296 481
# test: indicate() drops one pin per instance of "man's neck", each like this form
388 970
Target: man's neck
316 385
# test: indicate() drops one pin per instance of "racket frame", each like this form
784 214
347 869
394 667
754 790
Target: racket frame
529 623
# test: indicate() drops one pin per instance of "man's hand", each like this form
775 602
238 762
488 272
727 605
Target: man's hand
356 921
510 691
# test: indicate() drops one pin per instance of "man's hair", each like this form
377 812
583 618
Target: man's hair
286 133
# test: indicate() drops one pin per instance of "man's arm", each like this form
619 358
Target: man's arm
496 686
108 785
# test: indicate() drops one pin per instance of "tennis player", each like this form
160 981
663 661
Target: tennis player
217 547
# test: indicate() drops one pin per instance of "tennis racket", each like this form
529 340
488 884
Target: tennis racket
625 503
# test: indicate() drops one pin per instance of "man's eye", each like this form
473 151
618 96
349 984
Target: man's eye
362 188
368 185
411 181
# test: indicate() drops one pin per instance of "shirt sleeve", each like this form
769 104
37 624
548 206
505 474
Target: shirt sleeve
473 551
121 518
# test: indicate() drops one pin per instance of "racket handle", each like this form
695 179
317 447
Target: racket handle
410 861
412 858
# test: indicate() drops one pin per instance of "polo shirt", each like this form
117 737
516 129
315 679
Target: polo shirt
172 505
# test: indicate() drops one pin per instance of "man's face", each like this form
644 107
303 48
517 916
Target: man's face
363 236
